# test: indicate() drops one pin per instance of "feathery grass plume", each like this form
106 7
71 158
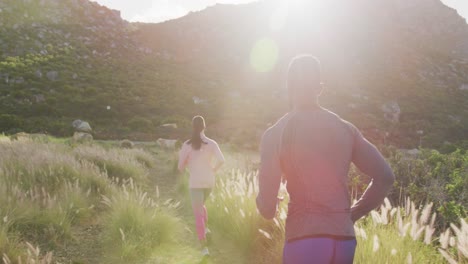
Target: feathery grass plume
461 238
239 221
408 206
265 233
444 239
32 256
116 163
395 238
387 204
384 215
401 229
430 230
425 214
447 257
416 233
376 219
452 241
136 225
376 244
9 243
416 229
361 232
393 211
409 259
48 166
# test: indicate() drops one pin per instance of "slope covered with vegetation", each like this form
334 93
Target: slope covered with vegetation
396 69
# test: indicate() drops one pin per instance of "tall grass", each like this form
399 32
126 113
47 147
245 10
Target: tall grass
397 235
118 164
46 189
43 190
390 235
232 211
30 165
50 190
137 224
32 255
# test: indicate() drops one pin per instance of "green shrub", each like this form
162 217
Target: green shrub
140 124
10 123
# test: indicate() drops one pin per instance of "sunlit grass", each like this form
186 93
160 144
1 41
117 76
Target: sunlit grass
47 188
390 235
59 187
120 164
136 225
233 213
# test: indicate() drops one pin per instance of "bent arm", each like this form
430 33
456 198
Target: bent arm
183 157
370 161
269 178
219 158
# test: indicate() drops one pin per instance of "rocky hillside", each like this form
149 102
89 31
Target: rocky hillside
398 69
62 60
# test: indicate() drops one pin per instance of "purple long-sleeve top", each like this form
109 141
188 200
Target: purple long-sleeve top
312 150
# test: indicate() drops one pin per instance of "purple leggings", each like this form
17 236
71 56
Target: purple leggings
319 250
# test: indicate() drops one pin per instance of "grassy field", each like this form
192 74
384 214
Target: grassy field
62 202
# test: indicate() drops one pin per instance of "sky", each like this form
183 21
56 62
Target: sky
161 10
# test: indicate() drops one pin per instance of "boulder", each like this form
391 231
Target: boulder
80 137
52 75
127 144
82 126
76 123
392 111
39 98
167 143
174 126
19 80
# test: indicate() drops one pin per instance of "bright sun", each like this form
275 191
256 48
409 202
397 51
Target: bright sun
265 51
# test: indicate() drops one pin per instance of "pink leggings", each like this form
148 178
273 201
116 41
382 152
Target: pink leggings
198 197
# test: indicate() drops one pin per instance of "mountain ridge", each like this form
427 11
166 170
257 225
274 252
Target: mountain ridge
392 67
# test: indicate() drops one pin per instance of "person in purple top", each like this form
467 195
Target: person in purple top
312 149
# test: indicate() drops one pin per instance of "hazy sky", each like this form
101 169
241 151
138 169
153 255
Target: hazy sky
160 10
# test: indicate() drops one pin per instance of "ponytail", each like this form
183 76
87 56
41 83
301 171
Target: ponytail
198 125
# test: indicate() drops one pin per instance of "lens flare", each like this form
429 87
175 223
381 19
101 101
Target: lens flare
264 55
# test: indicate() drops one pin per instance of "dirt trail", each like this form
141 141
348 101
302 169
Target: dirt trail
172 185
86 248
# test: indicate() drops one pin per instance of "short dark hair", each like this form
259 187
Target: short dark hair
304 74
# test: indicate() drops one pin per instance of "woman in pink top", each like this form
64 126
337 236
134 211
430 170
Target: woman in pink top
197 154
